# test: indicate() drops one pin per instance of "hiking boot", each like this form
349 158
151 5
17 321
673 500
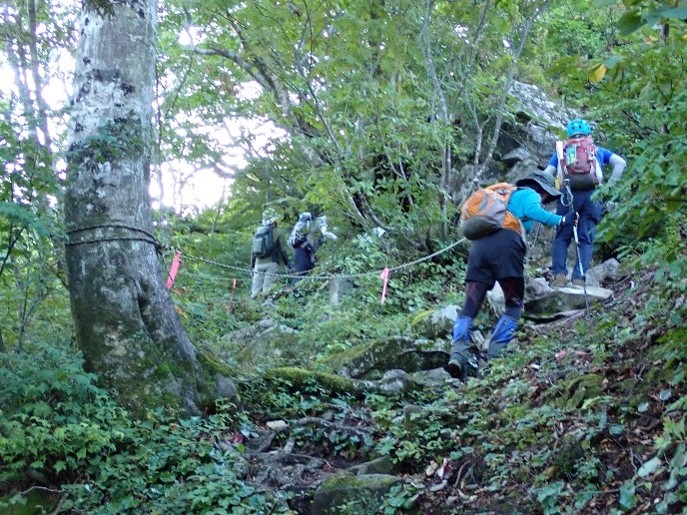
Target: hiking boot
578 282
459 361
502 334
461 367
457 368
559 281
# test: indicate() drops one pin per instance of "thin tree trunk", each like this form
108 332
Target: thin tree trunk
447 164
526 25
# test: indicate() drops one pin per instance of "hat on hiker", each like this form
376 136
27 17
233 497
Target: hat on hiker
270 216
544 181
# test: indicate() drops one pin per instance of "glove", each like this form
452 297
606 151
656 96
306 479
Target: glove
329 235
569 218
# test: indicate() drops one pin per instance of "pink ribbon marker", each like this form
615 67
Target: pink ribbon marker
385 277
174 269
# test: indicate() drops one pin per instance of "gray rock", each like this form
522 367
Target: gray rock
397 352
599 274
339 288
381 465
265 343
567 298
433 377
225 388
537 287
360 494
439 323
394 381
517 155
496 300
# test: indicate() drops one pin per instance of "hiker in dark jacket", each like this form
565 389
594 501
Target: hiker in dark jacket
582 202
305 241
500 256
265 270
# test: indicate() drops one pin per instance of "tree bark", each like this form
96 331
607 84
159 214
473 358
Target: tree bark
126 323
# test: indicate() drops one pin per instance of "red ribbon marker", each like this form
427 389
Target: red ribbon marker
174 269
385 277
231 299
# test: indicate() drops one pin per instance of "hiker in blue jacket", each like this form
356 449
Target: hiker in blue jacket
500 256
589 209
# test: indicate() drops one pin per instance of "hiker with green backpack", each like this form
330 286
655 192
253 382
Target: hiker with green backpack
578 164
496 219
267 255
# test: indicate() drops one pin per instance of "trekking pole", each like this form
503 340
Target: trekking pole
579 261
536 235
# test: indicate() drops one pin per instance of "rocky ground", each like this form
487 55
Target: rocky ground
567 422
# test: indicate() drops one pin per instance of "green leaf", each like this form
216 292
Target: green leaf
612 61
629 23
680 458
649 467
627 496
616 429
679 13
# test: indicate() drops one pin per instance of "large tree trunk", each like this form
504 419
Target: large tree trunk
126 323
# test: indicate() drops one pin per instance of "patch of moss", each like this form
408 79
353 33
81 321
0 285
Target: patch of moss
212 364
580 389
299 377
566 457
338 360
115 140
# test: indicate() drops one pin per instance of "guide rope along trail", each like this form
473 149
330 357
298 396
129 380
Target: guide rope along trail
331 276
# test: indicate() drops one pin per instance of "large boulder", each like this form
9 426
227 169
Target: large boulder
568 298
399 352
355 494
542 298
540 117
436 324
601 274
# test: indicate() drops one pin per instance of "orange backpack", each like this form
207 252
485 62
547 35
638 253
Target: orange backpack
485 212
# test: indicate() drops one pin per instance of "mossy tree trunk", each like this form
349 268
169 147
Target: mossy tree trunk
127 326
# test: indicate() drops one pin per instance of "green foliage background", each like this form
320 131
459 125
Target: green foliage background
372 131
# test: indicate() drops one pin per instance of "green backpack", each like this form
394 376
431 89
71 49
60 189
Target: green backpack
263 241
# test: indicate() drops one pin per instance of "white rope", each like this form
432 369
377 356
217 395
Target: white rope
396 268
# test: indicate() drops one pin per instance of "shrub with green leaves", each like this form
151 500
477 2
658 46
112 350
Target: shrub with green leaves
55 420
187 466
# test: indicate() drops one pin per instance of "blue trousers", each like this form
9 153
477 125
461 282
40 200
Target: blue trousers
590 215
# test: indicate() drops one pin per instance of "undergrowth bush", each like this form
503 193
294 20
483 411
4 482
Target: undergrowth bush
163 466
55 419
58 425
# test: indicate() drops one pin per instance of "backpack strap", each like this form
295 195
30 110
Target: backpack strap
561 158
